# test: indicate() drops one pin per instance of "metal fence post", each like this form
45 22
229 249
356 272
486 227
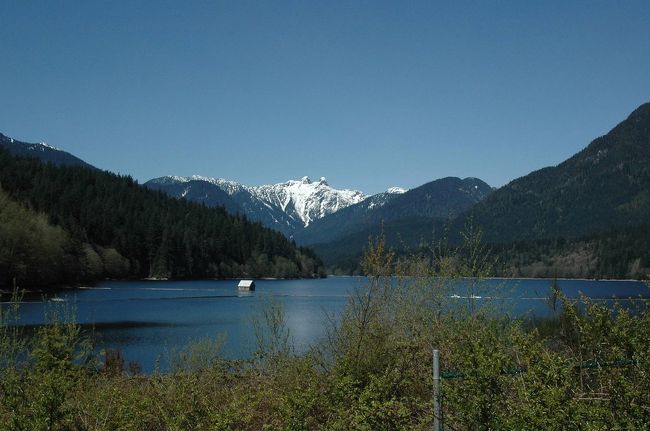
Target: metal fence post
437 423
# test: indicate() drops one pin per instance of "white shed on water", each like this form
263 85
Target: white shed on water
246 285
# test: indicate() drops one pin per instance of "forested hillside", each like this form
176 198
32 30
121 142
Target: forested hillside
106 225
605 186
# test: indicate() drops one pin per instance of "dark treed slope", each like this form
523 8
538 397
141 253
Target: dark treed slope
604 186
343 256
42 152
440 199
109 226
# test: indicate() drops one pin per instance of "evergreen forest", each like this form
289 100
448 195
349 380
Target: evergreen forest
64 225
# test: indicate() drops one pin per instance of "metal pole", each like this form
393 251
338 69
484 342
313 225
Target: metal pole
437 423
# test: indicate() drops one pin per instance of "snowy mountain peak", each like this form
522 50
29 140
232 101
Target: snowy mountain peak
396 190
302 201
305 200
46 145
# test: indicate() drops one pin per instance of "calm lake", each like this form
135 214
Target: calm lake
147 320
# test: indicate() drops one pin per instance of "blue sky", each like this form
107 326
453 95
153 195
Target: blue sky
370 94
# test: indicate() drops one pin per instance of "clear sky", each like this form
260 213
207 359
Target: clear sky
369 94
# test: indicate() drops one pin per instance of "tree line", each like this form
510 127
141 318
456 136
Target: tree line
622 253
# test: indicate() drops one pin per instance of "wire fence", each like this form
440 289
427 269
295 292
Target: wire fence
593 364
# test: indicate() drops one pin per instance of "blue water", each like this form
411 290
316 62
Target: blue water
147 320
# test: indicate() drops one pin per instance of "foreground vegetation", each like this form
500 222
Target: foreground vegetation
585 369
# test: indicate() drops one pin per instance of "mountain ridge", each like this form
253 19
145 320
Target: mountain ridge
605 185
41 151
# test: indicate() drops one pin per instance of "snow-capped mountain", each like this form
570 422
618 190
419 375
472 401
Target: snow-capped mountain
287 206
307 200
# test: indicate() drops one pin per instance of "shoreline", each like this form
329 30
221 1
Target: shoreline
567 279
91 285
149 279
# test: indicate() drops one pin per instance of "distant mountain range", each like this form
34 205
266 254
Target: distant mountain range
601 192
308 211
287 207
312 212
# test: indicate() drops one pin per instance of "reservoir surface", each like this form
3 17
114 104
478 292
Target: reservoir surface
147 320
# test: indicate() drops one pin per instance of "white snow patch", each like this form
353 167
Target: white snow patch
46 145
